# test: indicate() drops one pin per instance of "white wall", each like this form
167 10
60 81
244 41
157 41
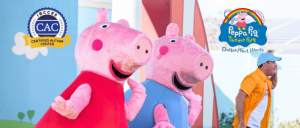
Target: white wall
129 10
287 98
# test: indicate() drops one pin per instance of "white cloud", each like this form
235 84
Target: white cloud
20 48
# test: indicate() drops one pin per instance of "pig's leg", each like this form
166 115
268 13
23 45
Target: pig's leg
136 101
72 107
161 117
194 106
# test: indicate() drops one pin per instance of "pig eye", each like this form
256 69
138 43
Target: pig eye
173 40
104 26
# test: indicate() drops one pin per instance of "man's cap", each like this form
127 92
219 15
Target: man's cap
264 57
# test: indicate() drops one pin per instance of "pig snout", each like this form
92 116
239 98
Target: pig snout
143 49
204 66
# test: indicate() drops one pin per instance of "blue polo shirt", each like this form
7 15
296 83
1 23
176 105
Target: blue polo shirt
158 94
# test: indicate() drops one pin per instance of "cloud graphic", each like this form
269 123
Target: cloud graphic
20 48
253 33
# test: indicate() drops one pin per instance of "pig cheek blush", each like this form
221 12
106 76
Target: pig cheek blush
163 50
97 45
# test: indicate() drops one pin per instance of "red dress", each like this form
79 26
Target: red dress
105 109
241 24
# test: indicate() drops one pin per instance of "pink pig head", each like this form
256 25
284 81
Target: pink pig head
178 63
113 50
241 17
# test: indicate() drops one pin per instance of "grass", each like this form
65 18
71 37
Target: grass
15 124
225 126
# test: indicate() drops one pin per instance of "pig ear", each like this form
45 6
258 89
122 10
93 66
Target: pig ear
172 30
188 36
102 15
123 22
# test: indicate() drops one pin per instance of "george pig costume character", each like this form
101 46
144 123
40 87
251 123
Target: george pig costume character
176 65
106 54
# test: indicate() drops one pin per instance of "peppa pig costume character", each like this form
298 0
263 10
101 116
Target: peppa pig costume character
176 65
106 54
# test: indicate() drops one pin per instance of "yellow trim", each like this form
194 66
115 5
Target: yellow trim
47 41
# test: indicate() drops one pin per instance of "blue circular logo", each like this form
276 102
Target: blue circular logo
47 22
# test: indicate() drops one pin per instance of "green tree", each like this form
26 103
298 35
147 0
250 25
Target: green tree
226 120
30 114
21 115
290 124
223 117
272 120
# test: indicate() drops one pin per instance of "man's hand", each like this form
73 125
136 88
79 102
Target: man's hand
275 71
274 78
240 104
241 125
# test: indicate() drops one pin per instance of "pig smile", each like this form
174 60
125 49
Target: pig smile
178 83
118 73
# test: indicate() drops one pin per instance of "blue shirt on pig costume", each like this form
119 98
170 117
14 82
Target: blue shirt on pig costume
158 94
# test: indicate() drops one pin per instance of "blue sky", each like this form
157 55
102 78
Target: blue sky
33 84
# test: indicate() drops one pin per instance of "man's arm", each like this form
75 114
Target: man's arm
274 80
240 103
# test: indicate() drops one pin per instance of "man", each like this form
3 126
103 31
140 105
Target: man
253 102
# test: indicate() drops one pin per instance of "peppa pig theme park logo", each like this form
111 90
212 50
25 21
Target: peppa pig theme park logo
47 28
235 31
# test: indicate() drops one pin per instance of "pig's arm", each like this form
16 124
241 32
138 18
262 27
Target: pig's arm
161 117
136 101
72 107
194 106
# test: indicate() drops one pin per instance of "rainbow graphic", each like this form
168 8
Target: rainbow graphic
243 10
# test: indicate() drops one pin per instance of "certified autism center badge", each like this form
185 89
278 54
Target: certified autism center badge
235 31
47 28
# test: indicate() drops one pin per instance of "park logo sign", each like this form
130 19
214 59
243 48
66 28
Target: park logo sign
235 31
47 28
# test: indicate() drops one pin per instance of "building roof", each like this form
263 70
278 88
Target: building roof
284 31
